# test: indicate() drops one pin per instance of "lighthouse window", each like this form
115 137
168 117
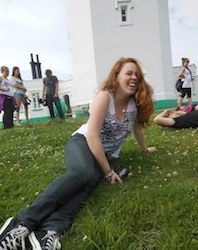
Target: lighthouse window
124 13
124 8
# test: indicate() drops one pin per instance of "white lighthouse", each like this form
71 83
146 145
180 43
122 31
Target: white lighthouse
102 31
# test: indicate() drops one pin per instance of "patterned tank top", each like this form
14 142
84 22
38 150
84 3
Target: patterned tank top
114 131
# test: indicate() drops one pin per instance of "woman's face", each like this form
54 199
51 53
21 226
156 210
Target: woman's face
186 62
16 72
127 79
5 73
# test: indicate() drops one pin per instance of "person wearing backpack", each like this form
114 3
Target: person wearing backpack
186 76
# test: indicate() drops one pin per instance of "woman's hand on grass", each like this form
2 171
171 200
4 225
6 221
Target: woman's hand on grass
151 149
115 178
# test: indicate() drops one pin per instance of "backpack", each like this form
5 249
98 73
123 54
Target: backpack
178 85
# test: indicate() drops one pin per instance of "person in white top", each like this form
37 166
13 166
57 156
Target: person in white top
123 104
19 94
186 75
7 101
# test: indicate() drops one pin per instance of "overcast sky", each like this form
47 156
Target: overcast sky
184 30
40 27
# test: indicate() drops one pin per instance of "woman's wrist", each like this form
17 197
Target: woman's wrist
107 171
109 174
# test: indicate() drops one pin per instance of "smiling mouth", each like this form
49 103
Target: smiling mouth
132 85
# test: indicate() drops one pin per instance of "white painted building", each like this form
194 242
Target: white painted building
100 32
36 110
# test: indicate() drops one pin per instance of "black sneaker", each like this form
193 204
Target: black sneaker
44 240
13 235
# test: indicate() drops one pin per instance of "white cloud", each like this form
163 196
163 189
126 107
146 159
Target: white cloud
40 27
189 9
184 29
37 27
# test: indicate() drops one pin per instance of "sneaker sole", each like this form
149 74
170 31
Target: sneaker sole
34 242
5 225
58 245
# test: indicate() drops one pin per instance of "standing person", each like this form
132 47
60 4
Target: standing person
50 88
124 104
19 94
186 75
7 101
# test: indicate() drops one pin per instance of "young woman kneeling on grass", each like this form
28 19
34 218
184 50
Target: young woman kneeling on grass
124 104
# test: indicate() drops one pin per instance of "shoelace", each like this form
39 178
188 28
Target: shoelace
52 242
15 239
8 244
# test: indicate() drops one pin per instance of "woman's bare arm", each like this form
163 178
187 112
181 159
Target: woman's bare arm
95 123
163 119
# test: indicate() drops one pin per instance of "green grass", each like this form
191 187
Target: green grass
155 209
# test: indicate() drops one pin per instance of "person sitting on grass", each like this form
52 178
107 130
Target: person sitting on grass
124 104
178 119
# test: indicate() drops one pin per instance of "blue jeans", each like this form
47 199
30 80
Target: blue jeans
56 208
18 95
50 99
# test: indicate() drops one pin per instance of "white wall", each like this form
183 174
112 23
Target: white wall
97 41
146 39
83 57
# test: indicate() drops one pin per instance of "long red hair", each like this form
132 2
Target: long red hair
144 93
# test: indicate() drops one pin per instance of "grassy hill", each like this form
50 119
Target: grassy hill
155 209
